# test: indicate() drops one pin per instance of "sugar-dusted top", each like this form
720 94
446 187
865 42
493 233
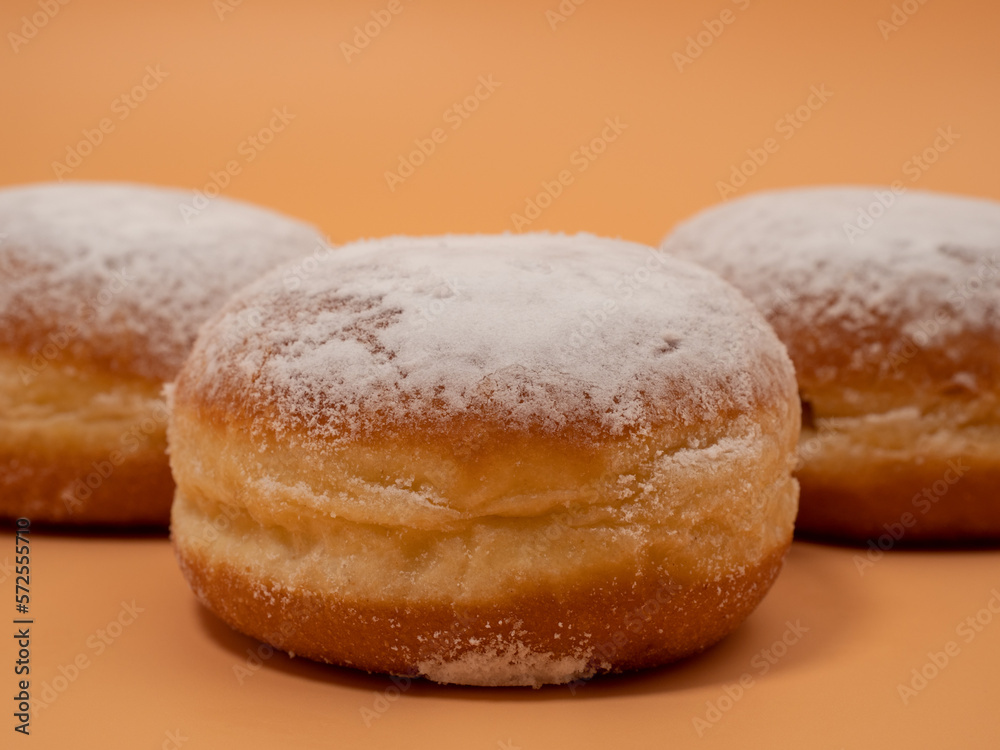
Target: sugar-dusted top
885 299
116 274
860 256
529 331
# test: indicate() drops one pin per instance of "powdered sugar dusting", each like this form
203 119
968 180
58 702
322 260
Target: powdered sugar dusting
855 255
107 265
515 665
543 329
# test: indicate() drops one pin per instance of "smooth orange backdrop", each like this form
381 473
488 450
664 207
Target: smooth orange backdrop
353 120
229 65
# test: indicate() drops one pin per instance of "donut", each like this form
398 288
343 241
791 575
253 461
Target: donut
889 302
486 460
102 289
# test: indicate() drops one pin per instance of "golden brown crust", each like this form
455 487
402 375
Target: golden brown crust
619 623
945 498
44 339
86 488
844 372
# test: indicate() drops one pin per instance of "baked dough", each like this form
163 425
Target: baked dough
488 460
102 289
889 303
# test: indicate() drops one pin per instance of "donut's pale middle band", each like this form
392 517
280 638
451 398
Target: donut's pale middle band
333 524
36 395
915 474
79 444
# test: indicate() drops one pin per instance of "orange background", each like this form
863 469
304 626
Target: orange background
172 670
